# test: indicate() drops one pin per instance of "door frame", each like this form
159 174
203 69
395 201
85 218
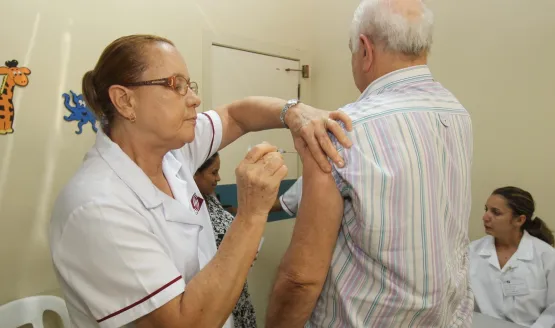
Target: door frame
210 39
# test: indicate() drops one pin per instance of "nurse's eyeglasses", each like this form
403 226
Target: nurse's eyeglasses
177 83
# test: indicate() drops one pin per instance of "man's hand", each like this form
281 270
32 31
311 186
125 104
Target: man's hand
312 126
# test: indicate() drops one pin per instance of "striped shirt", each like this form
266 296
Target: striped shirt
401 258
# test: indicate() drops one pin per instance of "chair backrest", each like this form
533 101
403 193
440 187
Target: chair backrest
30 310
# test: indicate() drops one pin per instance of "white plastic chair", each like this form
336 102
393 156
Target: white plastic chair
30 310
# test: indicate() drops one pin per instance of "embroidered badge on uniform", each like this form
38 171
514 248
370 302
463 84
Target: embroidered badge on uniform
197 202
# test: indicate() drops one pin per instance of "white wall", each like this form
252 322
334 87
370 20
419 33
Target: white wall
332 79
498 58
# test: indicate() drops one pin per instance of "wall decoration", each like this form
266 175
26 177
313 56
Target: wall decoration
79 112
13 76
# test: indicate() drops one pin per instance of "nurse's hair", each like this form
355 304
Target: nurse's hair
207 163
521 203
122 62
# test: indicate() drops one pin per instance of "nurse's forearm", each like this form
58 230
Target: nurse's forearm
212 294
305 265
249 115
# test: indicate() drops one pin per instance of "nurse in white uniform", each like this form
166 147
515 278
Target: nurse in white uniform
130 235
512 270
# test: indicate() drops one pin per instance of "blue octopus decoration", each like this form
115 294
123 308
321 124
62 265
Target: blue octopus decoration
80 112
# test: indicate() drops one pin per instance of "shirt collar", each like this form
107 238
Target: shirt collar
398 78
524 252
128 171
171 165
525 249
488 248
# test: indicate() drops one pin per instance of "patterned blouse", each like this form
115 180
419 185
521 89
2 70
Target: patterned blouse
243 314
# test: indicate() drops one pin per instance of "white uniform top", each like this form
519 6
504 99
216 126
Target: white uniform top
121 247
291 199
524 290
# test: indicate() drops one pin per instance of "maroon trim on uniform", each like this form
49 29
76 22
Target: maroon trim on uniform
213 133
140 301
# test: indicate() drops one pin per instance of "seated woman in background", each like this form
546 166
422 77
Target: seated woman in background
207 178
512 270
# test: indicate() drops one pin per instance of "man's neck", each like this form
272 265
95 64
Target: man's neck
391 63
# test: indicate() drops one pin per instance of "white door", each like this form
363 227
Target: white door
237 74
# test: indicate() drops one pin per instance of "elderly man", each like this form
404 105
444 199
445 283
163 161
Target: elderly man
400 257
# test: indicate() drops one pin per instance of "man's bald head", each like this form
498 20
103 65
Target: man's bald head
410 9
402 26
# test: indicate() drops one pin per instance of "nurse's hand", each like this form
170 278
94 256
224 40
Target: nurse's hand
309 163
312 126
258 179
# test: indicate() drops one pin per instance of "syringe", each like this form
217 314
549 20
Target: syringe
280 150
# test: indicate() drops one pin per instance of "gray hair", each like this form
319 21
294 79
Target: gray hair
380 22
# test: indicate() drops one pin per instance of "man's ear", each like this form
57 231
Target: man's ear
367 48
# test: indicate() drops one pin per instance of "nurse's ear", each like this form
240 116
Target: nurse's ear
519 220
124 101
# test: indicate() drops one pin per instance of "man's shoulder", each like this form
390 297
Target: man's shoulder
400 101
372 108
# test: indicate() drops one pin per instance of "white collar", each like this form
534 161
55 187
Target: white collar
525 251
130 173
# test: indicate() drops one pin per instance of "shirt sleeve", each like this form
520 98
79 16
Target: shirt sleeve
291 199
337 173
547 318
208 137
115 264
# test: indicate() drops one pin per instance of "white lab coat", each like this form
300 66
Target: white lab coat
524 290
122 248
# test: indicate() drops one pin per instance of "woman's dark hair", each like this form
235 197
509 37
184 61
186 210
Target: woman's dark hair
123 61
521 203
208 162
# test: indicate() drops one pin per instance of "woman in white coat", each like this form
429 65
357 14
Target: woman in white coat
130 236
512 270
